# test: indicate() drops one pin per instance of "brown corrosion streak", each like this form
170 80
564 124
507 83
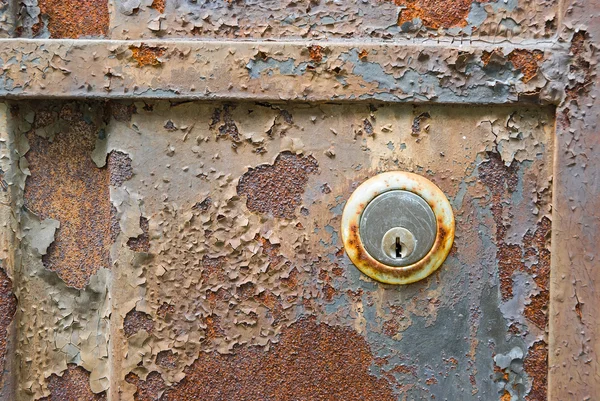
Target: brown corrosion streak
500 181
536 366
66 185
312 361
435 14
74 384
527 61
277 189
8 307
76 18
147 55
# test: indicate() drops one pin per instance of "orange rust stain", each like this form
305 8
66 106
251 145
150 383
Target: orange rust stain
506 396
66 185
74 384
8 307
486 56
501 181
159 5
580 65
435 14
316 53
431 381
527 61
312 361
76 18
537 248
363 54
536 366
147 55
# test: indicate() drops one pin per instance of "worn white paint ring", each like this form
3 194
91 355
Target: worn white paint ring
377 185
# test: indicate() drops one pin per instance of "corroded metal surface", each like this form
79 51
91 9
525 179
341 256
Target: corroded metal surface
351 229
421 71
191 281
574 330
230 280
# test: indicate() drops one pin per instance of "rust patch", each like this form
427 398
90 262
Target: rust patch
488 57
119 165
66 185
316 53
536 366
213 267
166 359
142 242
74 384
312 361
580 66
537 248
500 181
159 5
121 111
75 18
147 55
120 170
135 321
149 389
435 14
526 61
277 189
8 307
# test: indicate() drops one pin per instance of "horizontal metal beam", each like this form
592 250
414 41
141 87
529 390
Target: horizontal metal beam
412 71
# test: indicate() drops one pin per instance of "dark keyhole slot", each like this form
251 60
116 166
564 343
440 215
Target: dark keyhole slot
398 248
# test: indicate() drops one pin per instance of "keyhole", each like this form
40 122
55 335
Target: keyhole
398 248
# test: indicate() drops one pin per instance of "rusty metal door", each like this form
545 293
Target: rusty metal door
174 175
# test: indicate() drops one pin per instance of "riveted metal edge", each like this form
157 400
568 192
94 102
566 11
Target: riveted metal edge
377 185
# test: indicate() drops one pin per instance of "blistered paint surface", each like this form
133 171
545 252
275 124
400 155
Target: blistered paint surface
277 71
207 274
134 19
261 281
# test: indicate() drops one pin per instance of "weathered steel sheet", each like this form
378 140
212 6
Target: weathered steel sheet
574 329
308 19
321 71
227 277
186 250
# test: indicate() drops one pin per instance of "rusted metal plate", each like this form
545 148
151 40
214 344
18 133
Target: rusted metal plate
574 329
387 19
243 269
419 72
164 248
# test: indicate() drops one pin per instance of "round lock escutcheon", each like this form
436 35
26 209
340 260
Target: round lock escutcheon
397 227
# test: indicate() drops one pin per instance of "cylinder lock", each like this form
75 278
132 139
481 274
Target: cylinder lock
398 227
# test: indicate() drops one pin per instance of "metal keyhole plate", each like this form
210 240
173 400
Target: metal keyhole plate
397 227
398 215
